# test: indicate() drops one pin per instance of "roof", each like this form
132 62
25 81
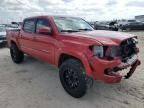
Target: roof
50 16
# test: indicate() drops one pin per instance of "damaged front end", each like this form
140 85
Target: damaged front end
108 62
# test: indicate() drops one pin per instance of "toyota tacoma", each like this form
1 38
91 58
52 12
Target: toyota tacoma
80 52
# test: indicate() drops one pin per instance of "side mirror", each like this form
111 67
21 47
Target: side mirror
45 30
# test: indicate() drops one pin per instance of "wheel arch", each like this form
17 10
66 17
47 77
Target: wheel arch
63 57
12 42
81 57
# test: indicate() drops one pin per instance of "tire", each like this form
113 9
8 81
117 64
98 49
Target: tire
16 55
73 78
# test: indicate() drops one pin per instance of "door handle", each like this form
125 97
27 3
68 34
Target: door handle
46 51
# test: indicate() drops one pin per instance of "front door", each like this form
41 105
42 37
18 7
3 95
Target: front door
45 42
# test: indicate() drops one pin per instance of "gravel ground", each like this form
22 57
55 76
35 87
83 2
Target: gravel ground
34 84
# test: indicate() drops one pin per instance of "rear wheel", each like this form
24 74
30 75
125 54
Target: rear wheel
73 78
16 55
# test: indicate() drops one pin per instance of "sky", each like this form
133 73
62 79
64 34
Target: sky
90 10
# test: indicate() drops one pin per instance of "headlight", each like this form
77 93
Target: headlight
98 51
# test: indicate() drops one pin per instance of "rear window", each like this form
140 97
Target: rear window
29 26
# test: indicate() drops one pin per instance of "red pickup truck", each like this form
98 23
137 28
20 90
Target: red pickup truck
80 52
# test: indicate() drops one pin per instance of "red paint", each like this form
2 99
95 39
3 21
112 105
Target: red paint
49 48
44 30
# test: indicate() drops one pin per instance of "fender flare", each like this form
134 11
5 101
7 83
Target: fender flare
81 56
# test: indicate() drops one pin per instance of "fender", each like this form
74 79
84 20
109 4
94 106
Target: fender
12 38
15 40
79 55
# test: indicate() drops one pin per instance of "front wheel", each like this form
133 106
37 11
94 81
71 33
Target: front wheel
16 55
73 78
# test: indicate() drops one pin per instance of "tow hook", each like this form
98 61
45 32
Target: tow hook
132 69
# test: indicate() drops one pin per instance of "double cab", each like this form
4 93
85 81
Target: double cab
80 52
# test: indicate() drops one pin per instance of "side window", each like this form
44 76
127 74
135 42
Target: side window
41 23
29 26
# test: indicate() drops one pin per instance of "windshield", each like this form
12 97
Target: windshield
68 24
2 29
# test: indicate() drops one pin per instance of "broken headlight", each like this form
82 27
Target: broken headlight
98 51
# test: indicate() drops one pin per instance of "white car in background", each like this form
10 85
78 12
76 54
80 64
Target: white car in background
2 35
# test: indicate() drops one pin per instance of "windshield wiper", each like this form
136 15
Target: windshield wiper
69 31
86 29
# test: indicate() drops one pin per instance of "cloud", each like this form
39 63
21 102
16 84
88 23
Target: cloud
111 2
11 10
136 4
67 0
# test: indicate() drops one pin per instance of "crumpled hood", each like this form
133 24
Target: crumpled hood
105 37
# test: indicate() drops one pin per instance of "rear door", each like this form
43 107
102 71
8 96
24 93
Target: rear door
45 42
27 40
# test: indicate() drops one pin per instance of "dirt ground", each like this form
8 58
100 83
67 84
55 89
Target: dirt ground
34 84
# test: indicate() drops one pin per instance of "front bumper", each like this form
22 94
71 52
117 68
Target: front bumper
109 71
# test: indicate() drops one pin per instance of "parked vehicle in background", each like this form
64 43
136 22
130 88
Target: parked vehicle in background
101 26
113 25
132 26
80 52
124 22
3 40
106 26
